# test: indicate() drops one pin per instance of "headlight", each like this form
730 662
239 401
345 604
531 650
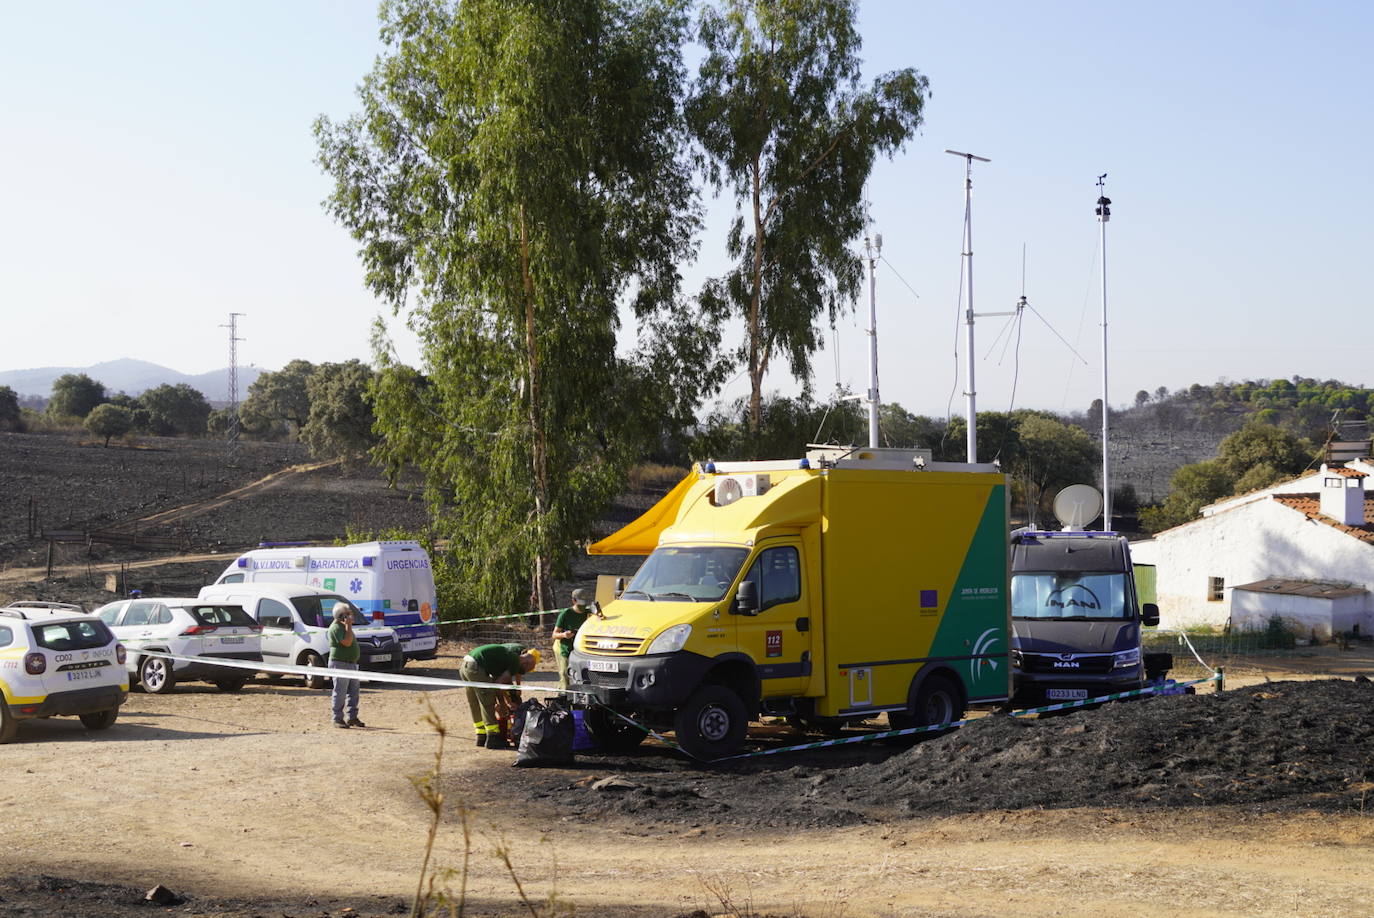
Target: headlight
1016 658
670 640
1126 658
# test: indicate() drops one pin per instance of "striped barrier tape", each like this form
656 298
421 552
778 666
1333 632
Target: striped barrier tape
358 675
492 618
1162 689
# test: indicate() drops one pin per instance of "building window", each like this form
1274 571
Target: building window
1216 589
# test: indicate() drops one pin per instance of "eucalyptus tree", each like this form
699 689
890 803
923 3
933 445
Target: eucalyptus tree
515 177
787 128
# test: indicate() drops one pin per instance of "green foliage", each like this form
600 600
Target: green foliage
1192 488
11 418
280 397
74 395
514 177
1253 457
109 421
787 426
341 416
789 131
1260 444
1051 455
174 410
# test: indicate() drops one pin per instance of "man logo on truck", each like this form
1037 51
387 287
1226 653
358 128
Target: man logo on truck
1075 596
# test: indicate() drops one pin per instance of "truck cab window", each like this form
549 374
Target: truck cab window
1069 595
777 574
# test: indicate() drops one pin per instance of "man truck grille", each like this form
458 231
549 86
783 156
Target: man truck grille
1067 663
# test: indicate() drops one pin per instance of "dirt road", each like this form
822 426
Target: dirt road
252 804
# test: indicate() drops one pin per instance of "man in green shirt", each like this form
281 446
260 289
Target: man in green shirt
565 629
505 663
343 654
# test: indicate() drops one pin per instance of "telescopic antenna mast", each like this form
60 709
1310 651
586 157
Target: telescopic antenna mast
970 395
1104 213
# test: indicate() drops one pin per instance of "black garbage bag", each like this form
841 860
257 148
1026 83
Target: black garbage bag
517 720
546 737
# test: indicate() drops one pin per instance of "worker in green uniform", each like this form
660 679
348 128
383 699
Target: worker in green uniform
565 629
504 663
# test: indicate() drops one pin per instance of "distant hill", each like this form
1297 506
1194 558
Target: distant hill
132 377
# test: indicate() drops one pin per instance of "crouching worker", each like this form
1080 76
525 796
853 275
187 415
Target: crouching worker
505 663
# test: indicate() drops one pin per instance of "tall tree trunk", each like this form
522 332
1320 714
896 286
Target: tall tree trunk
758 357
541 590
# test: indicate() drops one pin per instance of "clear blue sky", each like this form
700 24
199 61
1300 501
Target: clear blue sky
158 172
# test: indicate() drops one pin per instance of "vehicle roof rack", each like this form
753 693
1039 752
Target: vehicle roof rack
43 604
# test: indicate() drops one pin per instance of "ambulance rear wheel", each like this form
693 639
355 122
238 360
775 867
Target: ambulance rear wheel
612 734
712 723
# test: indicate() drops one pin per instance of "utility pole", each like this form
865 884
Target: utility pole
971 411
1104 213
873 246
232 434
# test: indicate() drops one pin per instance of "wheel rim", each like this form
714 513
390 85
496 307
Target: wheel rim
154 674
939 709
714 723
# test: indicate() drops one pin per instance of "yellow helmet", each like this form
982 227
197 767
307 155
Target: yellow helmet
534 653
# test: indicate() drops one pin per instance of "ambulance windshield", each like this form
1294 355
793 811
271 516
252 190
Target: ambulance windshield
686 574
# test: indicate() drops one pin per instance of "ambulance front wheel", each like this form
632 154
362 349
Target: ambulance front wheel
711 723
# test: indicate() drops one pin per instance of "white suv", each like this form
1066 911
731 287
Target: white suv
187 628
57 660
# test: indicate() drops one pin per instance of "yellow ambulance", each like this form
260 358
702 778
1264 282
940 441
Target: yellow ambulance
831 589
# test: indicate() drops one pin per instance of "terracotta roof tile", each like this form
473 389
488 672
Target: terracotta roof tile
1345 472
1309 505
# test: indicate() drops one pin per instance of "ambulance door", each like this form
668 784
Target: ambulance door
778 636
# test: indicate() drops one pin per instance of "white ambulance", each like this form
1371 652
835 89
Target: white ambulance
392 582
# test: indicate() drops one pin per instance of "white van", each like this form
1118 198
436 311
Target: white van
295 624
391 582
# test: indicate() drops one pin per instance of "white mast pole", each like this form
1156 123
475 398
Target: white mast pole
971 411
1104 213
873 246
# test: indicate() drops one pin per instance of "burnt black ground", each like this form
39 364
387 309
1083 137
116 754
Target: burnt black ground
1280 746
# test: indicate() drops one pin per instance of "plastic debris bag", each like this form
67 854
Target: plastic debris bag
547 736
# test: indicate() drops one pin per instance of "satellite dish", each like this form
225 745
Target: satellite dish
1077 505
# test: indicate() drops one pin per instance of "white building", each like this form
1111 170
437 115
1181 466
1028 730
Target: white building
1313 529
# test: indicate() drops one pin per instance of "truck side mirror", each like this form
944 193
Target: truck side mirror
619 586
1149 614
747 598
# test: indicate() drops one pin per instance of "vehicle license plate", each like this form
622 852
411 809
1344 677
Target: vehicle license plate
422 644
84 674
604 666
1066 694
231 640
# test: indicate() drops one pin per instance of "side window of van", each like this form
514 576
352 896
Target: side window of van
6 636
232 578
273 614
